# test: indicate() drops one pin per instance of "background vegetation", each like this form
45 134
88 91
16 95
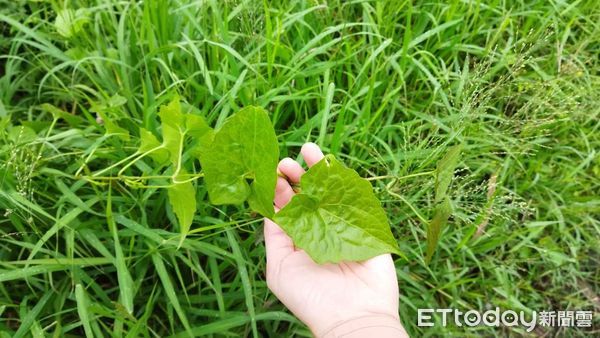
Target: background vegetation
387 87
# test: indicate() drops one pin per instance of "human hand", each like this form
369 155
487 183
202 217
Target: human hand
350 298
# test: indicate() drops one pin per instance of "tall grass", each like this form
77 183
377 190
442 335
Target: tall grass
386 86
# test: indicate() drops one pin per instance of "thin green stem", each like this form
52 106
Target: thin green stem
400 197
376 178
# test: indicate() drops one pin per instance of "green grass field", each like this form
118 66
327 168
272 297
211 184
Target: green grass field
388 87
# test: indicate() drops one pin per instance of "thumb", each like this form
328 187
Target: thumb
278 245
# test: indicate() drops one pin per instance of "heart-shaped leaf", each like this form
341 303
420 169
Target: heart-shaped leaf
176 126
182 197
241 161
336 217
149 144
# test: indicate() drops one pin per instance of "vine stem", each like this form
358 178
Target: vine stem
376 178
179 152
142 155
400 197
114 165
123 177
98 179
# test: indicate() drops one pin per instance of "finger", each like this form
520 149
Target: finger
382 269
311 154
276 240
380 263
283 192
278 245
291 169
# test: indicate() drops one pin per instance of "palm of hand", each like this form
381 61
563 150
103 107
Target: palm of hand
322 295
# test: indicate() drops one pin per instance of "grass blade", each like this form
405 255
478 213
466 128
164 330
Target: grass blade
82 310
126 290
31 316
170 290
436 226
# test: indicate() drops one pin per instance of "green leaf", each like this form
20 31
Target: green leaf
115 101
182 197
336 216
196 126
110 105
170 290
440 217
4 123
241 161
175 127
443 208
69 23
22 135
149 143
113 129
37 126
108 109
200 131
72 120
445 172
3 112
27 321
82 310
126 290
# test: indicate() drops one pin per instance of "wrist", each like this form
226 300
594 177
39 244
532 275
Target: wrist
374 325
